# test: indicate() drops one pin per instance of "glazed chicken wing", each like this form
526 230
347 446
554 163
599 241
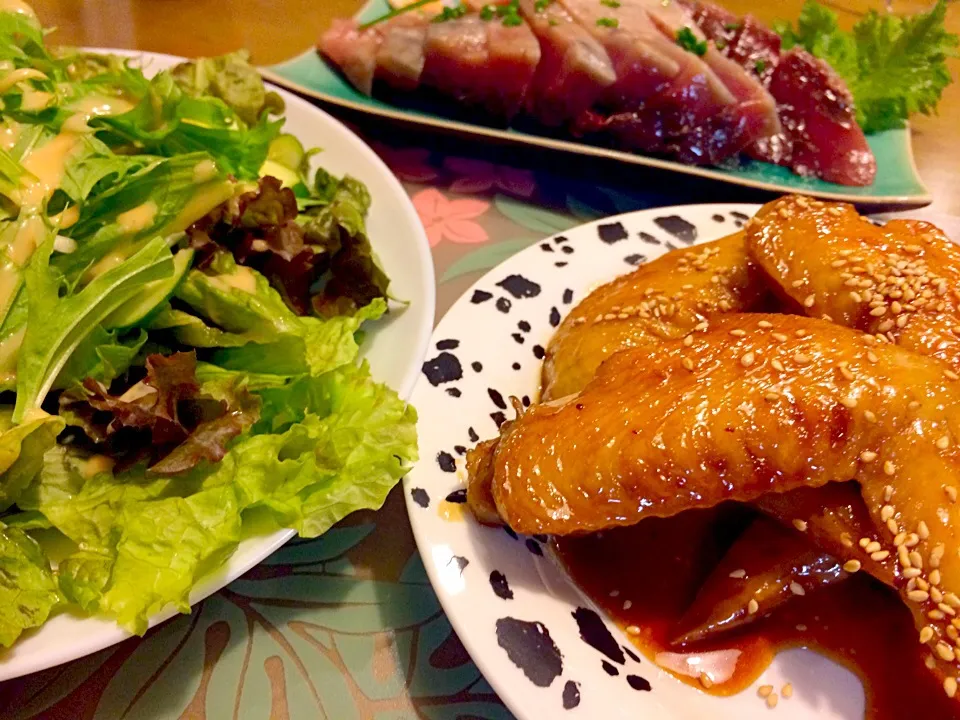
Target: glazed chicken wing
755 404
664 299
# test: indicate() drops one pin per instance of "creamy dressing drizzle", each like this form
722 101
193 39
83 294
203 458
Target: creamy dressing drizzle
242 279
20 75
139 218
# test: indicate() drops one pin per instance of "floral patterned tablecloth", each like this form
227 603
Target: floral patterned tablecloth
347 626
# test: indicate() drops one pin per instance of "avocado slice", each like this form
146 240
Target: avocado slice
152 297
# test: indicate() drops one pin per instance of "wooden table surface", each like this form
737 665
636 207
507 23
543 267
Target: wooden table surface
275 30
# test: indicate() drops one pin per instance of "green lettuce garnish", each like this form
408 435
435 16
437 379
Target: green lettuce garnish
28 590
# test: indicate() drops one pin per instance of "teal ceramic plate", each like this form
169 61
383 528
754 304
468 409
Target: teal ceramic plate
897 184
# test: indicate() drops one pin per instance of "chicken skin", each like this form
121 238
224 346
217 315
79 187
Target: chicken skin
664 299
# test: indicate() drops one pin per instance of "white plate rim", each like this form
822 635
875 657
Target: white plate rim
110 633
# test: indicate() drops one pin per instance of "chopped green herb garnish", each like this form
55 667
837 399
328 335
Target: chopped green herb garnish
553 22
394 13
721 44
610 3
451 13
487 13
759 66
732 26
688 41
608 22
512 21
541 5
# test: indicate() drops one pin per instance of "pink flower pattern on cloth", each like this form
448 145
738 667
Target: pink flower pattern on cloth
450 219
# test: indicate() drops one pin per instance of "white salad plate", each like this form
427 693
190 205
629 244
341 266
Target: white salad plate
394 346
547 650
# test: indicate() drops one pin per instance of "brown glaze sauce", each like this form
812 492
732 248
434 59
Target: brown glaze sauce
655 569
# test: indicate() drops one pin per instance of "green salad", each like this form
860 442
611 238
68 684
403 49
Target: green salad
180 310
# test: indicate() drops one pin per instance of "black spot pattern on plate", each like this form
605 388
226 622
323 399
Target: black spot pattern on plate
511 532
678 227
524 325
534 547
519 286
503 305
526 401
561 264
472 434
649 239
444 368
518 337
567 250
457 496
638 683
530 647
539 352
738 223
571 695
501 588
448 345
497 398
499 418
516 366
477 367
594 633
554 317
480 296
567 296
453 392
460 561
740 215
420 497
611 233
630 653
719 218
446 462
560 239
546 247
635 259
609 669
460 449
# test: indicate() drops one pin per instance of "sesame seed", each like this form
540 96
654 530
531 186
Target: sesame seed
951 493
796 589
943 442
923 532
936 555
846 539
747 359
787 691
765 324
800 524
893 527
771 396
764 690
880 556
935 615
796 283
779 337
845 371
701 326
886 512
945 652
950 375
741 573
868 456
912 572
627 604
899 539
849 402
950 687
946 609
688 340
855 296
935 594
800 333
926 634
777 365
929 662
878 311
809 300
951 600
838 263
738 332
753 607
915 559
687 364
864 541
801 359
801 627
872 357
852 566
887 491
918 596
706 681
873 547
912 540
772 700
633 630
889 469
